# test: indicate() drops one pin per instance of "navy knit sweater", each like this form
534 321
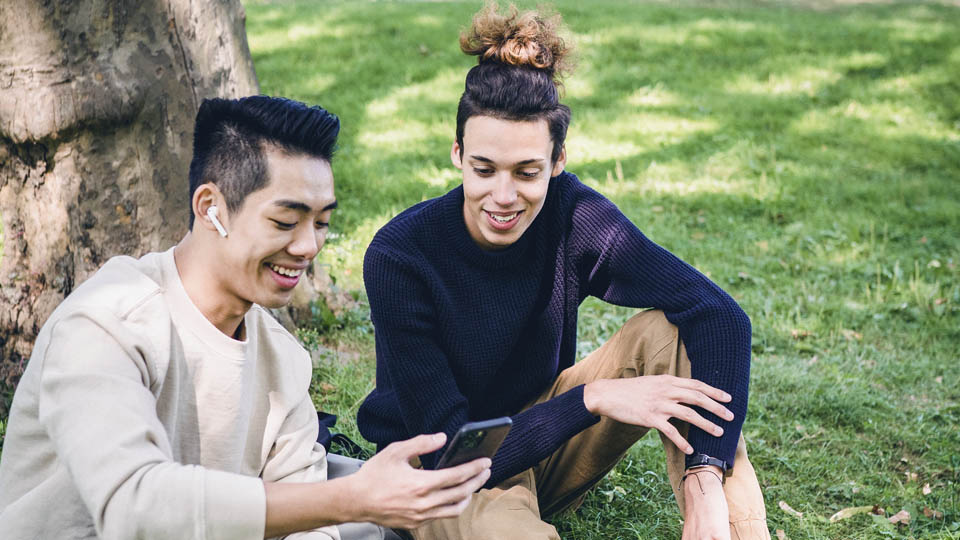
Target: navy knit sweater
464 334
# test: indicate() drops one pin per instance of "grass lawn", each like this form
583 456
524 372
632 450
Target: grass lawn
806 158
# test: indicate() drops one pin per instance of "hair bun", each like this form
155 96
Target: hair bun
518 39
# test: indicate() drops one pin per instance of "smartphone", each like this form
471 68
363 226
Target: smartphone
475 440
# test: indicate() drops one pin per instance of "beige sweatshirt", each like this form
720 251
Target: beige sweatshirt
137 418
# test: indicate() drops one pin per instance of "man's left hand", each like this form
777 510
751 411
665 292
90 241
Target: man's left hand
706 516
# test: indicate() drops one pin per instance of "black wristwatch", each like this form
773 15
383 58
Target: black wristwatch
699 460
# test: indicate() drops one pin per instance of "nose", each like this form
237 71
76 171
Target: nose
505 190
307 241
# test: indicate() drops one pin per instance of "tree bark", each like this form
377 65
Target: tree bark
97 103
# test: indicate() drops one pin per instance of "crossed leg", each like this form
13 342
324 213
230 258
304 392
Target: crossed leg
647 344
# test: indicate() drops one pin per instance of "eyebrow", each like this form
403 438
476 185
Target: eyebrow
524 162
301 207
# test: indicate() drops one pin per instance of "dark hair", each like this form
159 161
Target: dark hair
231 136
521 60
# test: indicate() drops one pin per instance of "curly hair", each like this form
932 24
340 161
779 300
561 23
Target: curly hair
521 59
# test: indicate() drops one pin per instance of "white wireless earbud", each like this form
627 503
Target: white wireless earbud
212 214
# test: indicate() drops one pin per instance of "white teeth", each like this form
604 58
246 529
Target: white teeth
504 219
289 272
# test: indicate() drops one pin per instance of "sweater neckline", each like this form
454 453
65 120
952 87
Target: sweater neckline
453 221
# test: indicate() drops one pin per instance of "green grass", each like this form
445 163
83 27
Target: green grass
806 158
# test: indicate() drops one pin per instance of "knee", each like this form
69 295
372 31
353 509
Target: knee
650 326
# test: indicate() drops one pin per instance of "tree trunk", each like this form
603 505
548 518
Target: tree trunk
97 103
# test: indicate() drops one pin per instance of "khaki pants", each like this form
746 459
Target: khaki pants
646 345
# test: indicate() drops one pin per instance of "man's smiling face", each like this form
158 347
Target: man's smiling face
278 230
506 171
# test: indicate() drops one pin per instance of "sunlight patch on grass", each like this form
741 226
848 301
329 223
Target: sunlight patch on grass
321 82
438 177
653 96
673 178
862 60
579 88
411 132
445 88
911 30
806 80
894 120
635 133
428 20
723 25
887 118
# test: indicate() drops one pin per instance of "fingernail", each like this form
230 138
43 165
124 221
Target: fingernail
438 437
727 396
718 431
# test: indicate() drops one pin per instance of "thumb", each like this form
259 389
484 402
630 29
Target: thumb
419 445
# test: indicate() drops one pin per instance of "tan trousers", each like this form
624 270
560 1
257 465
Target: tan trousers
646 345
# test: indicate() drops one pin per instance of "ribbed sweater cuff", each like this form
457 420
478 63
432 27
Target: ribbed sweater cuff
724 447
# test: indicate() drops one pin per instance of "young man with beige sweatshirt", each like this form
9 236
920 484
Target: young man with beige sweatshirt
162 400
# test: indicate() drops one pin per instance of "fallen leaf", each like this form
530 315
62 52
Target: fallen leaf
327 387
926 489
813 360
939 380
933 514
911 476
878 510
850 512
900 517
851 335
786 508
781 535
923 239
799 334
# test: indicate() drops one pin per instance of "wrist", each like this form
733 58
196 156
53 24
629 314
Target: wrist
697 482
592 397
353 500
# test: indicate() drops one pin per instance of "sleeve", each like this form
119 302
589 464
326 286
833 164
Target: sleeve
622 266
295 455
413 369
97 407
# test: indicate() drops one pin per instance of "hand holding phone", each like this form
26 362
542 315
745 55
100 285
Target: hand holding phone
475 440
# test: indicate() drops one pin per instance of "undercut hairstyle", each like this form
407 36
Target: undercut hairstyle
231 137
521 61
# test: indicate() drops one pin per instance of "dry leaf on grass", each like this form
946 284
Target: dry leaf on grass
850 512
926 489
786 508
781 535
900 517
932 514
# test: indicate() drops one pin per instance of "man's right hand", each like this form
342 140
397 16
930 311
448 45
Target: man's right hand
652 400
389 491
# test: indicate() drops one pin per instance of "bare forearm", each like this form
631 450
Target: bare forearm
294 507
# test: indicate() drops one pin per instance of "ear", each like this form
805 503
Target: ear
560 163
455 152
205 196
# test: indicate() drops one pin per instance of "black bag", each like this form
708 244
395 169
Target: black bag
338 443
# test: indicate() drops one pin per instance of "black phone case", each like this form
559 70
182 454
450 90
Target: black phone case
475 440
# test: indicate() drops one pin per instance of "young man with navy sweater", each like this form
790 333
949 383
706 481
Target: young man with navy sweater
474 299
